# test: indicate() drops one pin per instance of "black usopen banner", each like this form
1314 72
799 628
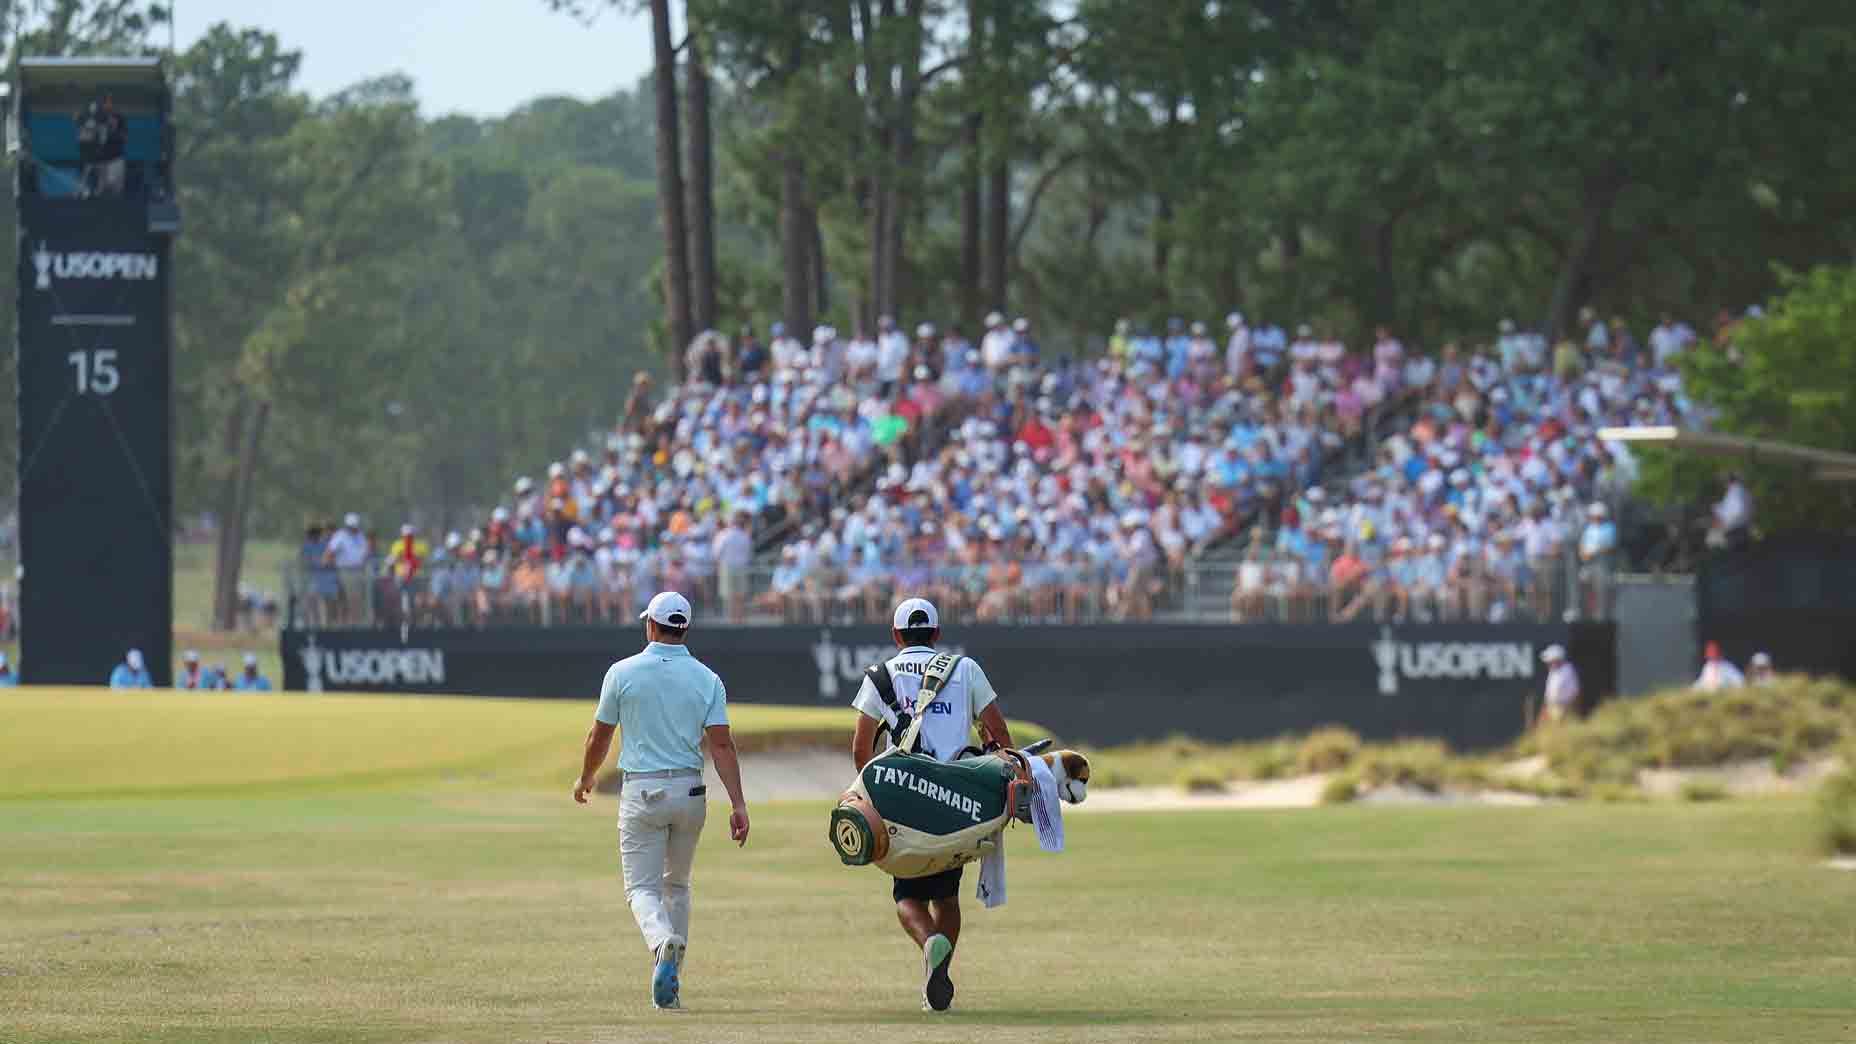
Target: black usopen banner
94 473
1468 684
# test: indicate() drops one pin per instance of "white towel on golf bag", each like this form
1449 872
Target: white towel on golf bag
991 891
1046 819
1046 807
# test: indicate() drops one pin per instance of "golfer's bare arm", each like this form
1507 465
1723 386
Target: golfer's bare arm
727 762
994 725
598 745
728 767
863 742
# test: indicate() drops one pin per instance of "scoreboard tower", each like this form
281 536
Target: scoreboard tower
94 190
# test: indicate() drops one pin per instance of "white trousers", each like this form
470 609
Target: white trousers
659 822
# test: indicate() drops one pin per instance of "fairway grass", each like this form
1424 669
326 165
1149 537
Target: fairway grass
97 742
456 911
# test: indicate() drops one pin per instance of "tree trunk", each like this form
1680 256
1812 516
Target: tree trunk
998 231
1163 238
902 180
670 189
232 529
1600 193
969 290
999 172
701 191
1385 277
795 246
1163 201
230 543
820 285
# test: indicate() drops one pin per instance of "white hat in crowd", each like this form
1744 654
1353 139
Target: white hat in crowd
251 659
1552 654
1760 659
134 659
190 656
916 612
351 520
668 608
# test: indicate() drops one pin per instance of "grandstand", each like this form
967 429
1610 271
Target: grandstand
1257 476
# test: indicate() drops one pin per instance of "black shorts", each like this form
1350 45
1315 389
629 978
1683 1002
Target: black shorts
944 885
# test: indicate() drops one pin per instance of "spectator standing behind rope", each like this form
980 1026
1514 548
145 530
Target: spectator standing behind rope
1717 671
251 680
8 679
1562 700
192 675
131 673
1759 670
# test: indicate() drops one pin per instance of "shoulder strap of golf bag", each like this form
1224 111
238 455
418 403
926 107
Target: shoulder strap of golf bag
936 675
885 687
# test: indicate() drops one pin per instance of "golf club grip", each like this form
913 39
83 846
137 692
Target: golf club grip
1037 747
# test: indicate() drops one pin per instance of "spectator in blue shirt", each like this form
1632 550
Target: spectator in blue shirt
8 679
192 675
131 673
251 680
1024 350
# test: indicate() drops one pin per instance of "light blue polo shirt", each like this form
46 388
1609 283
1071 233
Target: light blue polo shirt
661 700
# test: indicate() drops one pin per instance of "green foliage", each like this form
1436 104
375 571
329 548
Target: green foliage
1702 790
1200 779
1340 789
1836 810
1791 376
1167 761
1422 763
1327 749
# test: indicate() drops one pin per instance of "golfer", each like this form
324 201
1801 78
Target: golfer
928 907
665 702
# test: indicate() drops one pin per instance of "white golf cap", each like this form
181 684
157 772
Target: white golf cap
134 659
351 520
190 656
251 659
1552 654
668 608
916 612
1760 659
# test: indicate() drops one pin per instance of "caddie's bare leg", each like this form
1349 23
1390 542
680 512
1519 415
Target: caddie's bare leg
916 919
947 918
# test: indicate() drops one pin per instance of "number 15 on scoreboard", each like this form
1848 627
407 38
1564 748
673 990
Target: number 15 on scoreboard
95 370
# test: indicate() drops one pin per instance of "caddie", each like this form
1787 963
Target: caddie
927 907
663 702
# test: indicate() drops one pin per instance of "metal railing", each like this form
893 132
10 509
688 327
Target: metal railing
1265 587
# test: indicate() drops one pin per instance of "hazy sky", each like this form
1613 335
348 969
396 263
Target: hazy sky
482 57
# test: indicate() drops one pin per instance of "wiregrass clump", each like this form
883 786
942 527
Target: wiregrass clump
1791 722
1836 809
1788 721
1327 749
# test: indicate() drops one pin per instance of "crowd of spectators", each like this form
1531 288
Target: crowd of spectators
1494 500
1007 483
